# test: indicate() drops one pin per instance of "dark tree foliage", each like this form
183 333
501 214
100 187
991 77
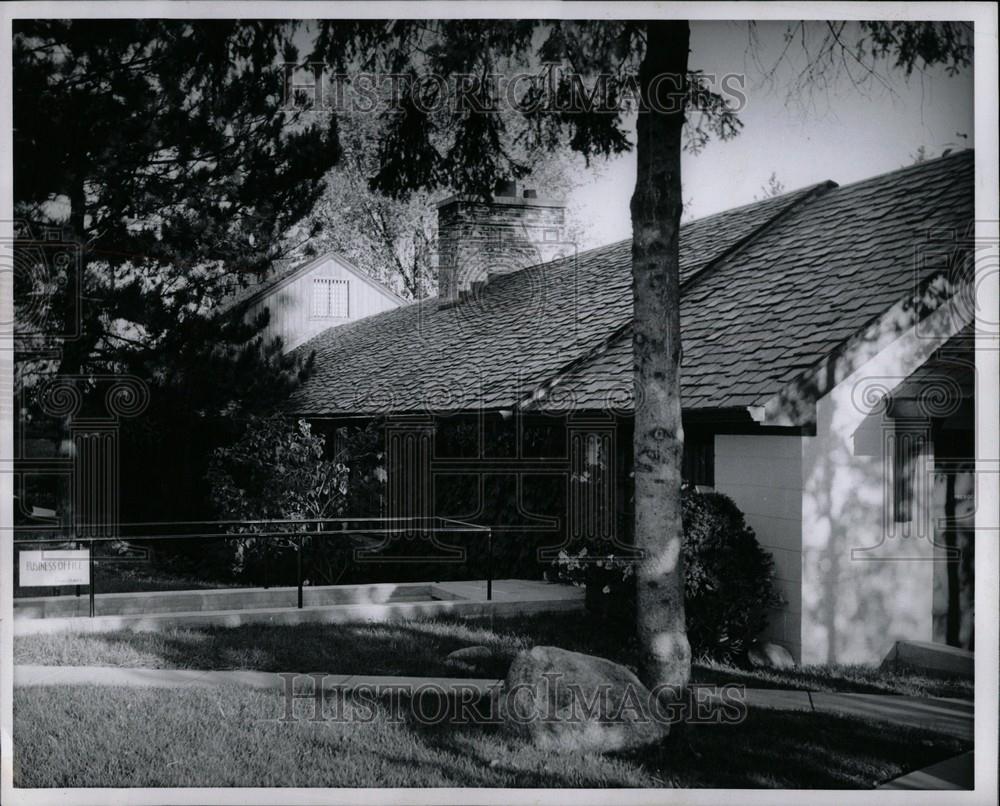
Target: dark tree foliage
163 150
457 120
170 135
912 45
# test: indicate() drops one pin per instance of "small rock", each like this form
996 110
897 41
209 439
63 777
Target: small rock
469 659
770 656
571 702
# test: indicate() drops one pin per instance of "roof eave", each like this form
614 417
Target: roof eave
938 302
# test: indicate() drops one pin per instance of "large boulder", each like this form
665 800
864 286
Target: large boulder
770 656
571 702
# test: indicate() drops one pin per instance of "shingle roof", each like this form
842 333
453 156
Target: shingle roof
768 290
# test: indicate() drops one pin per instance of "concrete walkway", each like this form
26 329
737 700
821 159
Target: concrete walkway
953 773
952 717
153 612
948 716
29 676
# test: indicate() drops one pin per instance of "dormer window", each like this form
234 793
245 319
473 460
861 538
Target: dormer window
330 298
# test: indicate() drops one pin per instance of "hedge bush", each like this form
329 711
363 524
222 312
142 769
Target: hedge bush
728 578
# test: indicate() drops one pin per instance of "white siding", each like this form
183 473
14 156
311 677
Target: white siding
763 476
291 305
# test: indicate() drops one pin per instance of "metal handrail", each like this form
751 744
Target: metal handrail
454 527
145 524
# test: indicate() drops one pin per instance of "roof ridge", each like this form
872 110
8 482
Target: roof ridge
587 355
810 193
804 196
757 202
924 300
804 192
295 266
914 168
807 195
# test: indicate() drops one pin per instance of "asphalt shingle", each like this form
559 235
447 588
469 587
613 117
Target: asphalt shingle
768 290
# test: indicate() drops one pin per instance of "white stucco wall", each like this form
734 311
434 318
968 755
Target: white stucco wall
763 476
866 580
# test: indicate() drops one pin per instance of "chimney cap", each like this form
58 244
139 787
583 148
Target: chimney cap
528 198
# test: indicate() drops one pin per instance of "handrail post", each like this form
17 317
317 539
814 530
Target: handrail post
298 567
93 577
489 566
267 543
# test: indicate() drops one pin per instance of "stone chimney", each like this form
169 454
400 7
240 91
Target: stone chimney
479 240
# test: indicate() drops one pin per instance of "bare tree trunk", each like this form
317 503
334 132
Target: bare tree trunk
658 441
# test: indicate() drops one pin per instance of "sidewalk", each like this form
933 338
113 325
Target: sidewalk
28 676
944 715
949 716
953 773
330 604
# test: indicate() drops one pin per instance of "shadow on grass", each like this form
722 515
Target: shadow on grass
132 737
417 647
768 749
420 647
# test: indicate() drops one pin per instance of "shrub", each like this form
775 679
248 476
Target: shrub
728 578
275 471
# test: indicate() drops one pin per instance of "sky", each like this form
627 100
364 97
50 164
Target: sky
841 133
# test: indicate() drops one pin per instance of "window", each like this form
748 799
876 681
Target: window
906 448
329 299
698 466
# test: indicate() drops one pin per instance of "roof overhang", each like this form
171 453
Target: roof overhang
938 310
308 266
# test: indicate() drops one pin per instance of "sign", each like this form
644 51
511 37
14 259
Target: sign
54 567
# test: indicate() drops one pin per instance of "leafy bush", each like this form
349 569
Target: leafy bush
275 471
728 578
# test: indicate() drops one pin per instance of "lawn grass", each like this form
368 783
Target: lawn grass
419 647
87 736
